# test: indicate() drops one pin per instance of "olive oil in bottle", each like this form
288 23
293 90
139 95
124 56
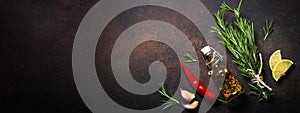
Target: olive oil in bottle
231 87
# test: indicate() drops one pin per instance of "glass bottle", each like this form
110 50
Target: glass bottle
218 71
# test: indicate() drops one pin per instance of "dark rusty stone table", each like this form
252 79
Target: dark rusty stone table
37 40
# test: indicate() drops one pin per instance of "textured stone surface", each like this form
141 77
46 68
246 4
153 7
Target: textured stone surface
36 53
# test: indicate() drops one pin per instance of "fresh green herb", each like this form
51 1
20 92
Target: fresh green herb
268 29
238 38
171 99
189 57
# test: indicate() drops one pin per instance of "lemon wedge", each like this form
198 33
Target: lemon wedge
280 68
275 58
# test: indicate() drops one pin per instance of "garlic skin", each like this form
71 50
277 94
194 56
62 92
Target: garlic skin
192 105
186 95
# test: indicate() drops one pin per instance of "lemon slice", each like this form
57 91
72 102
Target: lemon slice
280 68
274 58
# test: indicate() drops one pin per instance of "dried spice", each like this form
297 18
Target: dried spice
231 87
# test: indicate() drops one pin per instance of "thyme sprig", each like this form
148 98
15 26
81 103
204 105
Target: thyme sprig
238 38
189 57
171 99
268 29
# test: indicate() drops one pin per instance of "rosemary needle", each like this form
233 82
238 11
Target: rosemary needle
171 99
189 57
268 29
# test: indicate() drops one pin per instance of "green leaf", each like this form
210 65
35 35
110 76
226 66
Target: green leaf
163 101
268 29
260 99
223 101
172 100
253 92
167 106
253 87
189 61
189 57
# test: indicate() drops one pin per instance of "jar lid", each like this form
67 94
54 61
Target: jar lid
205 50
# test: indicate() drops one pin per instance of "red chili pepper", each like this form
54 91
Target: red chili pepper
197 85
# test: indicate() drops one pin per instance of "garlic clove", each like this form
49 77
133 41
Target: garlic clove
186 95
192 105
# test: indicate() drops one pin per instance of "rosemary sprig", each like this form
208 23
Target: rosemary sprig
171 99
239 39
268 29
189 57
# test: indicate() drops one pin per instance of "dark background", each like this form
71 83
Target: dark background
36 55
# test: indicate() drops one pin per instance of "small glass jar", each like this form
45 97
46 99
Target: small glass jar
231 87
